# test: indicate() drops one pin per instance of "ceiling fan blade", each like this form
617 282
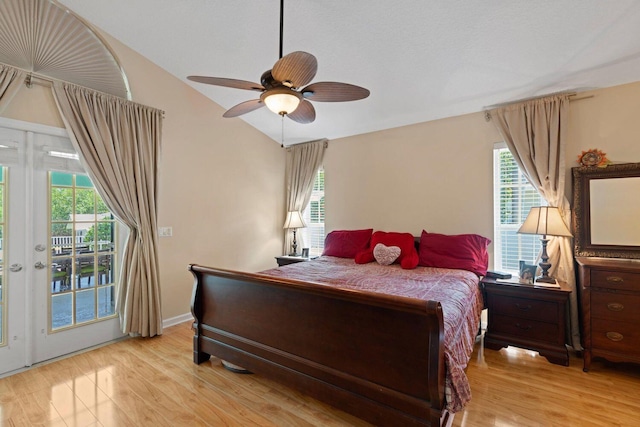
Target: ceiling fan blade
305 113
233 83
243 108
299 68
334 92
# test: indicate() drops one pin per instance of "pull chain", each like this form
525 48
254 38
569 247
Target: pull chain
282 132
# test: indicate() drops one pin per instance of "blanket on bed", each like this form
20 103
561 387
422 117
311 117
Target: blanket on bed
457 291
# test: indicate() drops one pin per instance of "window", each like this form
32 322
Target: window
513 198
83 245
3 216
313 215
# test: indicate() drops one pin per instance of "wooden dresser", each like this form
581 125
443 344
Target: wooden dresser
610 299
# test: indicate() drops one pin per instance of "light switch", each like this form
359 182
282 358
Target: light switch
165 231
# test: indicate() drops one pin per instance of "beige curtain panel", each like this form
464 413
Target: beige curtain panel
11 80
303 162
119 146
535 132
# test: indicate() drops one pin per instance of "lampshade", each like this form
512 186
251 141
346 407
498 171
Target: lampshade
544 220
281 100
294 220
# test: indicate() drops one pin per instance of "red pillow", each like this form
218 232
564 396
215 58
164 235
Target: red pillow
346 243
408 258
463 252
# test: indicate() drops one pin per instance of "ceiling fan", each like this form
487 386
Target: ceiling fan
283 88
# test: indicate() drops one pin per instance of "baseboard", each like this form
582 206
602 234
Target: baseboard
177 320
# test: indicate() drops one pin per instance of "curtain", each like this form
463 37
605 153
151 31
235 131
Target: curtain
303 161
10 82
119 146
535 132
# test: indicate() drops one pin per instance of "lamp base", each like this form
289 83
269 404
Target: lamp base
546 279
544 264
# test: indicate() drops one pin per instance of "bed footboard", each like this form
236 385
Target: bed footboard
378 357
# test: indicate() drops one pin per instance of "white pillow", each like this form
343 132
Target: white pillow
386 255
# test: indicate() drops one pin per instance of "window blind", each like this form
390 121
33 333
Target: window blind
513 198
313 215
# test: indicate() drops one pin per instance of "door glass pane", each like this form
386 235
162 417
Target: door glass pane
85 204
61 271
61 179
106 301
85 306
62 238
85 271
83 181
61 310
61 203
3 283
84 237
83 252
105 268
1 201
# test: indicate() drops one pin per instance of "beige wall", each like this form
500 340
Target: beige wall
221 181
435 176
438 175
609 121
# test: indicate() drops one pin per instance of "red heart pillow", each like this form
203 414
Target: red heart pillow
408 258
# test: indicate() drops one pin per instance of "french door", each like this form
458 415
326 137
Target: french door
59 248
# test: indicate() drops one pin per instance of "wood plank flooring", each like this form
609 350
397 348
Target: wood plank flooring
140 382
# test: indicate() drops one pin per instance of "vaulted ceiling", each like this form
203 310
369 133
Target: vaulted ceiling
421 59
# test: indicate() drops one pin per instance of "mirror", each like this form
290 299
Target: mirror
606 211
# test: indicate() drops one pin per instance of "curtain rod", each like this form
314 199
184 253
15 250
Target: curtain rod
39 80
326 143
532 98
572 97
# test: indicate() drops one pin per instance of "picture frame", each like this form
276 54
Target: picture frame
527 272
305 252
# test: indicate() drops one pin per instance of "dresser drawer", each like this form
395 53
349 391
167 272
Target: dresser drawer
524 308
616 336
525 328
613 306
615 280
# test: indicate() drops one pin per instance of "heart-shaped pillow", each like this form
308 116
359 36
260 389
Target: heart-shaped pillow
386 255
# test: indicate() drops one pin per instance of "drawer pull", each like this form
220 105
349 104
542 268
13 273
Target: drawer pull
615 279
615 336
615 306
524 328
523 307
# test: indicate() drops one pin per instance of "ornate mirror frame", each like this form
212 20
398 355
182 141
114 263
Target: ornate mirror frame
581 214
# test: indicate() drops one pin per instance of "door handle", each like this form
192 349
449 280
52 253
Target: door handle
40 265
15 267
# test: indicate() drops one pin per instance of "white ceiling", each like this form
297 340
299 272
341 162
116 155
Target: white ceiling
421 59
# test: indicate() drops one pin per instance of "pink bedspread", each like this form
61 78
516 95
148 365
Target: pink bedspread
457 291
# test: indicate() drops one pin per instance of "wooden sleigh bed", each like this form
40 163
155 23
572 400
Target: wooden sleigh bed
327 329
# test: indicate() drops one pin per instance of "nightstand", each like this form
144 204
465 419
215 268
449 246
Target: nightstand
527 316
288 259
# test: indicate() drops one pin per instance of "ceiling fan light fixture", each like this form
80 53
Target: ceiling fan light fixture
281 100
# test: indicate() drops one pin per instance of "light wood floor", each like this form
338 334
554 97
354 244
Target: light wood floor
139 382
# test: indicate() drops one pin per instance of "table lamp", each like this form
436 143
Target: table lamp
547 221
294 221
